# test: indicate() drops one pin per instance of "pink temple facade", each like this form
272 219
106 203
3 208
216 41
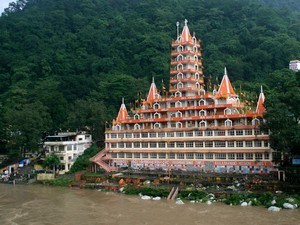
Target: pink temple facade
189 128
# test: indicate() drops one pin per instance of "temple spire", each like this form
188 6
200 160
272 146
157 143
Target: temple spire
225 89
153 93
122 115
186 35
260 108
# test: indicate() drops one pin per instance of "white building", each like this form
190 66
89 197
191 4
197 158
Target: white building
294 65
67 146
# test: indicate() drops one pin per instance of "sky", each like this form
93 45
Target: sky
4 4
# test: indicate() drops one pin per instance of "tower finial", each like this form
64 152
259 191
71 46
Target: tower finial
225 71
122 100
185 22
153 79
261 89
177 25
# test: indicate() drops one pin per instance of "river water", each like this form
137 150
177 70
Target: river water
42 205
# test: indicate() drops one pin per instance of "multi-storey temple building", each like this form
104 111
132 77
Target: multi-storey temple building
189 128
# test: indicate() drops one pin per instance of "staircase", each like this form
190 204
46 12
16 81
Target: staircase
173 193
100 158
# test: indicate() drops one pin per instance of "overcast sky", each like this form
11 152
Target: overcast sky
4 4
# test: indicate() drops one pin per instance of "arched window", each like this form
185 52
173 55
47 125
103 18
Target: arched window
157 125
179 75
197 85
178 104
195 49
156 106
178 114
196 58
197 76
178 125
228 123
203 124
137 126
136 116
180 57
255 122
202 113
180 85
202 102
227 111
118 127
180 67
179 48
178 94
157 115
196 67
194 40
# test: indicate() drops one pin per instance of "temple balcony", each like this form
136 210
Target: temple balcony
186 52
186 61
200 80
176 43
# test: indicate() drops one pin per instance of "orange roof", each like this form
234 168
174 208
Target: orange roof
152 95
186 35
225 89
260 108
122 115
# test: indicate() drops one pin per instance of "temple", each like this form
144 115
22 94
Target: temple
190 127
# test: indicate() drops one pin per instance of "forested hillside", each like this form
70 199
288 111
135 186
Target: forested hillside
66 64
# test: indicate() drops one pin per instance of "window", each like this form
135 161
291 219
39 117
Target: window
129 135
199 155
113 135
208 156
144 135
208 133
161 155
180 144
248 132
230 156
239 156
219 132
220 156
129 145
220 144
145 155
258 156
114 155
137 155
136 135
230 144
198 144
171 144
121 145
136 144
249 144
128 155
190 155
69 147
145 145
180 156
257 132
249 156
161 144
257 143
189 144
120 155
113 145
208 144
170 134
230 132
152 144
198 133
240 144
266 143
171 155
189 134
61 158
120 135
267 156
153 155
179 134
152 135
161 134
239 132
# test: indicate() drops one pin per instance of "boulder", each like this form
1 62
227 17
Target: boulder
288 206
274 209
156 198
244 204
145 197
179 202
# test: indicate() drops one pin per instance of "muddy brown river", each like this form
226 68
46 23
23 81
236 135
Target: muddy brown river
42 205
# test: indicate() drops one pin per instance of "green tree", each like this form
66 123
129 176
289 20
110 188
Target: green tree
51 161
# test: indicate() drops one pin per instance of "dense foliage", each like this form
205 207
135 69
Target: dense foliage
66 64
